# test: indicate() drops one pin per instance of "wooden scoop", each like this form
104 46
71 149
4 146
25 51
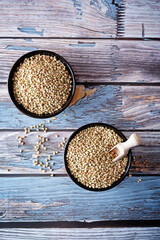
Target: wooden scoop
122 148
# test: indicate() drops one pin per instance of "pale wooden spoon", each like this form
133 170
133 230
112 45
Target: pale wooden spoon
122 148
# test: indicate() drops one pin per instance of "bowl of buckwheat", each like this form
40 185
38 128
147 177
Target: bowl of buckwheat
41 84
88 160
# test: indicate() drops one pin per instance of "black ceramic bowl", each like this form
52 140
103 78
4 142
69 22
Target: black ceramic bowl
66 164
10 83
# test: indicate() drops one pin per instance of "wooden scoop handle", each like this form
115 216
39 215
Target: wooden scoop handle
123 148
133 140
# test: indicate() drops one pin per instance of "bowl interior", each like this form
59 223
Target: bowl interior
127 166
10 83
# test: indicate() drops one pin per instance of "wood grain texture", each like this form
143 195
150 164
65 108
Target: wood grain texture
151 233
126 107
142 19
59 199
80 18
146 156
75 18
92 60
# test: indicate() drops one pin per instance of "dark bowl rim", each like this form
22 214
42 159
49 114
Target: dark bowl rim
20 60
127 166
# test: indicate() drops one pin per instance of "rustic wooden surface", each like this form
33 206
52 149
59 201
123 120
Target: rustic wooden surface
127 107
58 18
93 60
146 156
58 199
142 19
73 234
113 48
80 18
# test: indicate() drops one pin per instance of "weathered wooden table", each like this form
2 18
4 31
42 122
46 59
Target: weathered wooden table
114 48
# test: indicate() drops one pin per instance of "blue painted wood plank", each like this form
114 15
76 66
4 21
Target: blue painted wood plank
139 25
93 60
22 163
137 233
59 199
80 18
77 18
126 107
